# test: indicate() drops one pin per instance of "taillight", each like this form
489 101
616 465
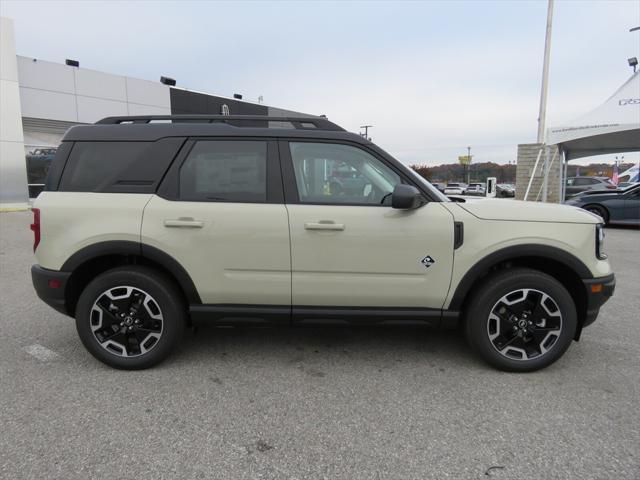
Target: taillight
612 186
35 227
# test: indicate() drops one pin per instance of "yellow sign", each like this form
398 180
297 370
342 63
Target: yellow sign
465 159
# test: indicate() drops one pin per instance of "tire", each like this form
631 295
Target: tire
598 210
520 320
122 339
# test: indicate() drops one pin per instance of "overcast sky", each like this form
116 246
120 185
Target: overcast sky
432 77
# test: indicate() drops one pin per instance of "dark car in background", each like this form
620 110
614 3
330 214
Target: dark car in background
505 190
38 163
615 207
577 185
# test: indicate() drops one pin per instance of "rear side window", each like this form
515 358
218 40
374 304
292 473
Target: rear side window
118 167
225 171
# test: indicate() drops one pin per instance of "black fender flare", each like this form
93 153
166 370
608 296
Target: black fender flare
124 247
513 253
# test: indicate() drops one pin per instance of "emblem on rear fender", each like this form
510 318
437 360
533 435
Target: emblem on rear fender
427 261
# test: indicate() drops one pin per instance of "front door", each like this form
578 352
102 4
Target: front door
220 214
349 247
632 206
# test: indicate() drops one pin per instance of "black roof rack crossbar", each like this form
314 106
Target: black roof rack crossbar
319 123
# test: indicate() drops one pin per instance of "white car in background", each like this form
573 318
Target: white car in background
455 189
476 189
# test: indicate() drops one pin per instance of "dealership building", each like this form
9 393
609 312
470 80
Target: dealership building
40 100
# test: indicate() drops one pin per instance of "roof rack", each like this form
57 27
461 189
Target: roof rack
303 123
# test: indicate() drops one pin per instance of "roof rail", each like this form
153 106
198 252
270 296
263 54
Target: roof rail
303 123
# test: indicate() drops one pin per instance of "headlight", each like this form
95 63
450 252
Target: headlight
600 242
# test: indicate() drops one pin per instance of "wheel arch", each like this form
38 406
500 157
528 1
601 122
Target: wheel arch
599 205
94 259
563 266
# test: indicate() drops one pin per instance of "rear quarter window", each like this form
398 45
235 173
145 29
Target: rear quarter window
118 167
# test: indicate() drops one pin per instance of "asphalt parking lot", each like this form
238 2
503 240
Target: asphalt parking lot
314 403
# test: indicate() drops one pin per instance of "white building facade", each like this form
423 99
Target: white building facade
40 100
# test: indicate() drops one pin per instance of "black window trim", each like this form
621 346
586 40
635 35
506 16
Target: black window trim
170 187
289 179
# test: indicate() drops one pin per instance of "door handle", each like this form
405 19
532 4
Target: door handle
324 225
184 222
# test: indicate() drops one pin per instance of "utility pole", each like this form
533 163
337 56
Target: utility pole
366 131
545 74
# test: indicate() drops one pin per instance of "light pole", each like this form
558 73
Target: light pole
469 164
545 74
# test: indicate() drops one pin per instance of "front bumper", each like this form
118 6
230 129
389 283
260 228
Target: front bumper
50 285
599 290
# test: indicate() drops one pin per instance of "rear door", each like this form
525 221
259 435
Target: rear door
220 214
349 248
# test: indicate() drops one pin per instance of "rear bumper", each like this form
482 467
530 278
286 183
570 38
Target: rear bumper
50 285
599 290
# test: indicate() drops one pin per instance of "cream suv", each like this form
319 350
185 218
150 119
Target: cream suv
149 223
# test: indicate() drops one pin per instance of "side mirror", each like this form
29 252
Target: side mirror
406 197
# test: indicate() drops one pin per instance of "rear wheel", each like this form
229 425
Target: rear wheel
598 210
521 320
130 317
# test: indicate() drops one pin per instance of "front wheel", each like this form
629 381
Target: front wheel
130 317
521 320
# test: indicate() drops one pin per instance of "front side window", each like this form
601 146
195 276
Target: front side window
225 171
341 174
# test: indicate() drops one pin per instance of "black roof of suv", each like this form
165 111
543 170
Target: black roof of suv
154 127
107 148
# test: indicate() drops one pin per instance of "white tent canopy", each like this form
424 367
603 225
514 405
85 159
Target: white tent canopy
611 128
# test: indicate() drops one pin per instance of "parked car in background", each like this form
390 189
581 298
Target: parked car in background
455 189
38 163
615 207
577 185
439 186
505 190
476 189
